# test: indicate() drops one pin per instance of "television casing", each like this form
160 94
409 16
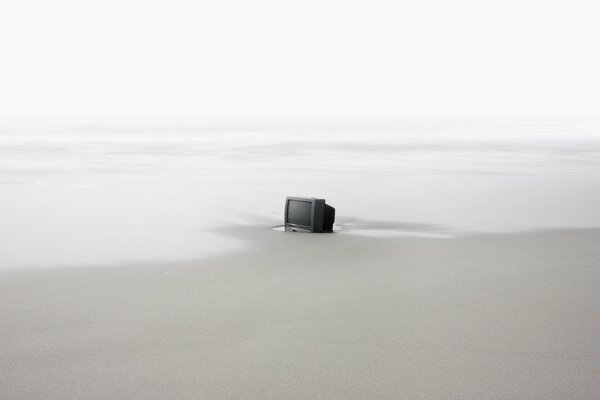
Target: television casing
322 216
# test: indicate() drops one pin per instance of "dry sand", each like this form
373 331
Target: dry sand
511 316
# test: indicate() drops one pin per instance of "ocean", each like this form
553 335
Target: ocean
103 193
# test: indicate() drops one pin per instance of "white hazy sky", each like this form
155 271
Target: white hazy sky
321 57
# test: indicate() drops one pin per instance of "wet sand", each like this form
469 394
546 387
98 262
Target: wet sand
294 316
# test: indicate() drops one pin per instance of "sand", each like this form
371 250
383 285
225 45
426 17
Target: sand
329 316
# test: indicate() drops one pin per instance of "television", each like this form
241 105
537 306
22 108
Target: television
310 215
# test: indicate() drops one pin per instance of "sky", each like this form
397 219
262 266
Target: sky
215 58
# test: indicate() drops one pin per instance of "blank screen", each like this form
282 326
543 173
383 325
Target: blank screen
299 212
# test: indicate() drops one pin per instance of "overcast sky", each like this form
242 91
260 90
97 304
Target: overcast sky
299 58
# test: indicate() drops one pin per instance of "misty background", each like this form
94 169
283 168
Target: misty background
227 58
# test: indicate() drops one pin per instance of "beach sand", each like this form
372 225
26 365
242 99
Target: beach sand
324 316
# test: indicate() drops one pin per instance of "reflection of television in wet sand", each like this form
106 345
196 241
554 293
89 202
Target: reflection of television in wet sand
304 214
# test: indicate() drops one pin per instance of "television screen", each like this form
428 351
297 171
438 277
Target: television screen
299 212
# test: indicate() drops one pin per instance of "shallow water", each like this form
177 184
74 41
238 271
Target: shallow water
95 194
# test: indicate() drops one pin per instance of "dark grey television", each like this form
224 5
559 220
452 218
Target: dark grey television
304 214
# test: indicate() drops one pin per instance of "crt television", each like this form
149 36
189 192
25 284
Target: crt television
304 214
